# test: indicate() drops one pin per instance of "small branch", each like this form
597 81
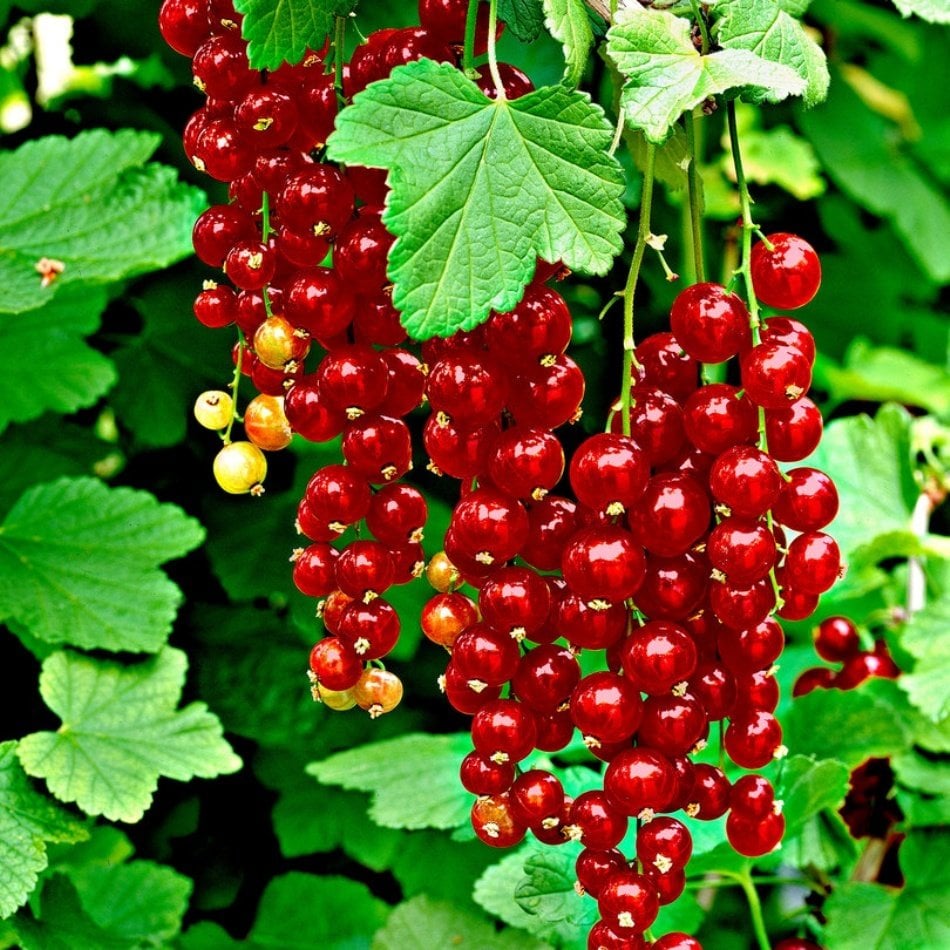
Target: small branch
916 578
601 8
468 50
492 54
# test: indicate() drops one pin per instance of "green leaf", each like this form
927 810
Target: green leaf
305 911
92 204
27 821
547 889
422 922
164 367
524 18
764 28
809 786
568 23
284 31
141 901
925 774
665 75
74 375
925 638
209 936
121 732
933 11
823 842
78 564
849 726
870 165
47 449
862 916
882 373
64 924
413 779
870 462
481 188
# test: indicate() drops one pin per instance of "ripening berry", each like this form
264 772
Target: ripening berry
240 468
213 409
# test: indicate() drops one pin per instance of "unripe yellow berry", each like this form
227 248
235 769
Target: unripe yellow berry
240 468
213 409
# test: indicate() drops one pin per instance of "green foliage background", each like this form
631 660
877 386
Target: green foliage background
165 779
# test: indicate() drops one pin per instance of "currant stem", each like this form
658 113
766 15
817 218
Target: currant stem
633 275
492 53
233 386
755 911
339 36
265 234
703 29
468 50
694 186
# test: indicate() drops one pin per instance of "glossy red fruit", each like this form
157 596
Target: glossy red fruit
336 493
746 480
183 25
665 844
546 677
658 656
817 677
456 451
315 569
674 587
638 779
504 730
790 332
308 412
672 515
656 423
588 627
752 648
595 823
774 375
710 323
551 522
664 364
787 276
753 738
536 799
378 447
527 463
836 639
445 616
593 867
717 417
710 795
515 601
548 395
481 776
317 200
601 937
317 301
715 687
813 562
671 724
372 629
606 707
397 514
794 431
490 526
335 665
743 550
676 941
603 564
753 796
858 668
754 837
494 823
538 328
628 901
481 653
353 379
463 696
365 568
808 500
470 387
217 230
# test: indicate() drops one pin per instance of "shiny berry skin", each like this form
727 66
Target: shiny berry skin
595 823
808 500
711 790
743 550
859 668
664 843
752 739
752 648
676 941
360 254
656 424
657 656
601 937
317 301
606 707
603 564
593 867
470 387
754 837
813 562
717 417
789 275
740 607
353 379
490 525
494 823
183 25
266 117
445 616
250 265
715 687
818 677
336 493
334 664
463 696
673 587
551 522
515 601
527 463
672 515
315 569
317 200
746 480
458 451
586 627
480 653
790 332
638 779
628 902
215 306
664 364
217 230
504 730
406 382
515 83
308 413
220 68
365 567
555 731
548 395
794 431
220 152
278 345
484 777
536 798
753 796
609 472
371 629
756 692
378 692
836 639
774 375
672 724
378 447
538 327
710 323
239 468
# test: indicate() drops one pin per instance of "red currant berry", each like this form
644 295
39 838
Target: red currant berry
787 276
836 639
710 323
606 707
753 738
628 901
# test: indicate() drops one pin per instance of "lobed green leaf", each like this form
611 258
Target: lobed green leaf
567 21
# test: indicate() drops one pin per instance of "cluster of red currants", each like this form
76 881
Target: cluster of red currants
672 557
837 641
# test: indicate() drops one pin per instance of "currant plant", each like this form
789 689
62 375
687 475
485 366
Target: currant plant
612 600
